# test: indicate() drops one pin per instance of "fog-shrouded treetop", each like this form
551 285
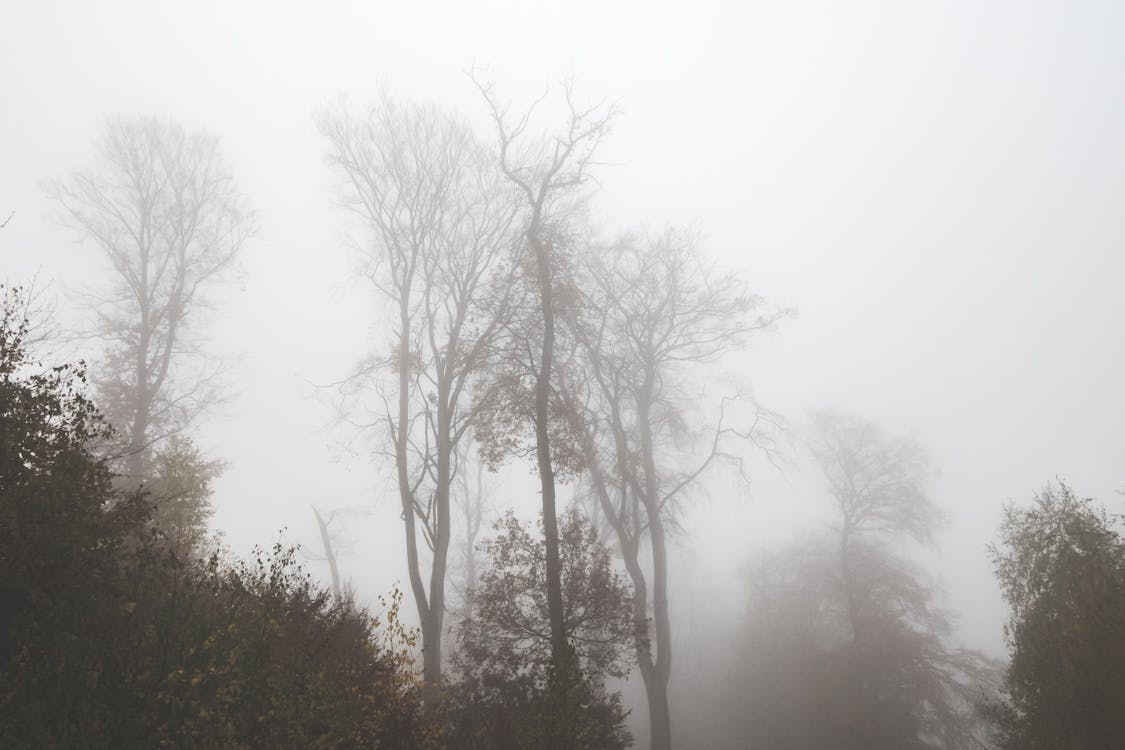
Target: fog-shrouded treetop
162 207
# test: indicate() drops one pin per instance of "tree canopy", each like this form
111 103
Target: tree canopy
1061 566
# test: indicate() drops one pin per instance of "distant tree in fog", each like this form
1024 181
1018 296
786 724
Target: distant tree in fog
162 207
1061 565
331 546
472 505
179 487
438 222
879 488
844 645
650 316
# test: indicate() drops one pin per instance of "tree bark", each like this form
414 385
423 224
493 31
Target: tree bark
657 686
431 665
560 652
660 724
329 553
431 649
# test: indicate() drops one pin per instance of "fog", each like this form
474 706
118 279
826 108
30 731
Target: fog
935 191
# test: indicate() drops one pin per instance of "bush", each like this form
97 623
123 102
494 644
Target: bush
113 635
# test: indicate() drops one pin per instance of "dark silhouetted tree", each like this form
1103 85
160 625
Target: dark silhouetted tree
1061 566
63 530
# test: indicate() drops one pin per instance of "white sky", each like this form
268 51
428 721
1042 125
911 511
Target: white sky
939 188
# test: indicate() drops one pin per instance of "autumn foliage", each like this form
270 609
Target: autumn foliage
111 637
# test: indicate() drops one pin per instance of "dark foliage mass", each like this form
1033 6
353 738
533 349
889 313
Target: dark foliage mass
1061 565
505 698
109 637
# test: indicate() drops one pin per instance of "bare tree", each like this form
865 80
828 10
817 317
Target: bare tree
649 316
548 175
878 486
438 220
163 208
330 549
801 680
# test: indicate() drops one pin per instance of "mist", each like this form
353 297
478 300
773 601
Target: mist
891 237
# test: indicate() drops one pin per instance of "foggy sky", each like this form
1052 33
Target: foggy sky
938 188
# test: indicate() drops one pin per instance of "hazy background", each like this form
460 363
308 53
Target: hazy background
938 188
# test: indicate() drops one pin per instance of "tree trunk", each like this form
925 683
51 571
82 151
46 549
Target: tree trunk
136 465
657 687
431 659
653 673
655 670
329 553
560 652
660 724
473 511
432 632
864 720
429 645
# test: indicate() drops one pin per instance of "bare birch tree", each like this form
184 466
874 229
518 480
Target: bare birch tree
163 208
437 219
650 315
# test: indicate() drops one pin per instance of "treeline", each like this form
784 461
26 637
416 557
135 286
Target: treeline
845 643
511 330
114 634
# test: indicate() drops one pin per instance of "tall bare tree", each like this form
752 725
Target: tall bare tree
549 174
649 316
163 208
438 221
